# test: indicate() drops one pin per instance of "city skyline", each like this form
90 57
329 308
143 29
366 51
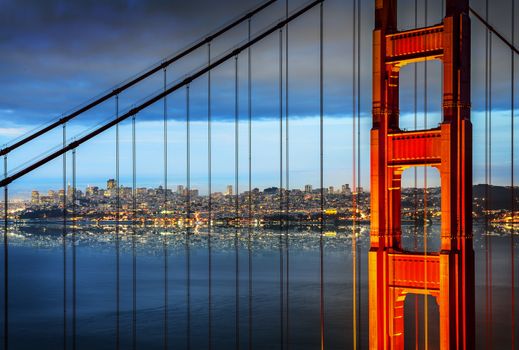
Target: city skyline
61 74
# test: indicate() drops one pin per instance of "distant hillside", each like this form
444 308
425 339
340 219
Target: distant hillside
499 196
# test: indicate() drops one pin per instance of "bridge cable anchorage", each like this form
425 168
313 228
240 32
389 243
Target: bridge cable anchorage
321 142
236 203
116 90
117 232
249 235
210 203
188 218
159 96
6 260
280 194
287 186
64 237
74 252
134 235
165 216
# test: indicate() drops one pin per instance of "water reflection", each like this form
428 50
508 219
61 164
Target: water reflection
36 288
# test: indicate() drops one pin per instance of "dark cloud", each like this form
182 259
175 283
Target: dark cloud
57 54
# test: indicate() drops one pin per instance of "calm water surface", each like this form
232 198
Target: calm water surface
276 308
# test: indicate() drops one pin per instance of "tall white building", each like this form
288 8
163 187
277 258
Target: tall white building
228 191
346 189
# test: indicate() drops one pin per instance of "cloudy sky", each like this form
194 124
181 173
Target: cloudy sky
58 54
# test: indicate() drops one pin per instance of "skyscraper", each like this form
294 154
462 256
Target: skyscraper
111 184
35 197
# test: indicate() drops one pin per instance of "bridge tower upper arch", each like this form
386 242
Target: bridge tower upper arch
448 274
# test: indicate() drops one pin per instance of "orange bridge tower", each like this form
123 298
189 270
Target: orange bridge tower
447 275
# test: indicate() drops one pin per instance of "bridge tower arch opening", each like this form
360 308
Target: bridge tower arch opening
447 274
418 209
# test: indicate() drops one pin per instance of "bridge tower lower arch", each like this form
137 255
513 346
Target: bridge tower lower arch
448 274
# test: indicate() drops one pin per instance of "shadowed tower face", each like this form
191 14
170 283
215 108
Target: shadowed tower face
447 275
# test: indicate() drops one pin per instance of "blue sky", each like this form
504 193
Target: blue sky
58 54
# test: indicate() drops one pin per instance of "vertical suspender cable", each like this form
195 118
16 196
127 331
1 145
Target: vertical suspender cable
354 173
117 232
280 90
6 262
359 183
425 197
134 238
74 247
166 208
415 173
64 237
359 23
486 180
188 211
188 157
490 181
281 268
236 201
210 207
287 186
188 287
512 174
249 236
321 146
488 130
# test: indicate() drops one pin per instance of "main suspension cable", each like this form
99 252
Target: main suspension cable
159 96
135 80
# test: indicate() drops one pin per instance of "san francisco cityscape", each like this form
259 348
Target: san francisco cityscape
268 207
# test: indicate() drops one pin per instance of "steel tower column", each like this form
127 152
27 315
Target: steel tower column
448 275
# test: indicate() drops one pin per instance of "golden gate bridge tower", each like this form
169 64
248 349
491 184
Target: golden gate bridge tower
447 275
